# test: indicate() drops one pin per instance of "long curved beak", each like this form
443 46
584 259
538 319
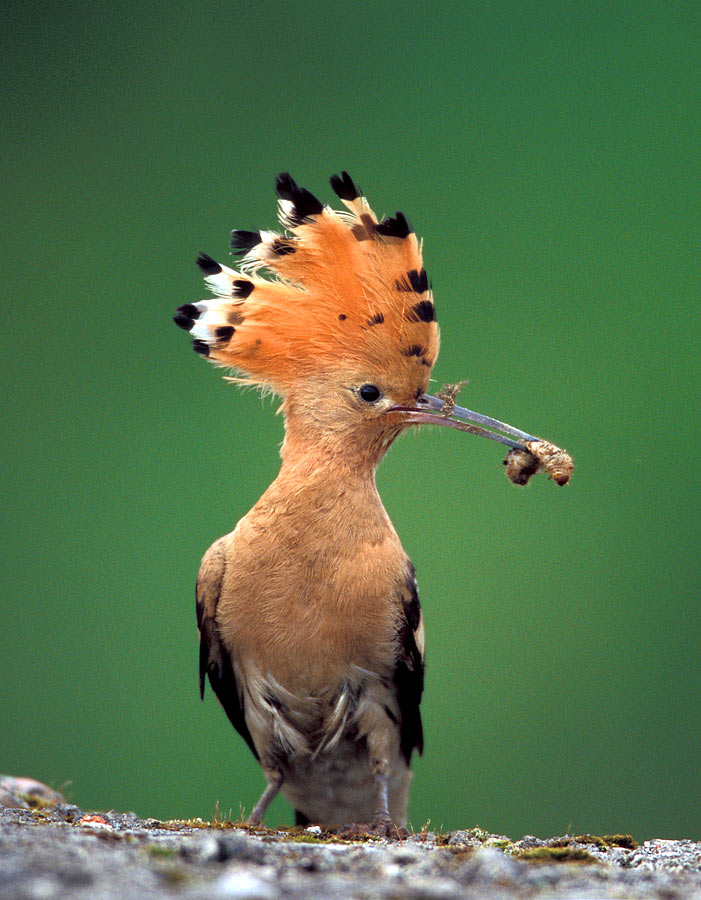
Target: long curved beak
437 411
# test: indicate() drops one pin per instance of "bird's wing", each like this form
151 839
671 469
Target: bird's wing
215 660
409 673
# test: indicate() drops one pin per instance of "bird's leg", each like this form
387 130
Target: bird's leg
267 797
383 820
383 824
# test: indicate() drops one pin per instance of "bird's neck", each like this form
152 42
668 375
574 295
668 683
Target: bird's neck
322 506
351 455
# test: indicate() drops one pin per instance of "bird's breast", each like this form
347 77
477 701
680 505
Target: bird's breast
304 599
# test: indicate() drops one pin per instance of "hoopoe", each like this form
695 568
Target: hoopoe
310 626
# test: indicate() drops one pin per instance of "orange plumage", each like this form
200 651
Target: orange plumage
332 280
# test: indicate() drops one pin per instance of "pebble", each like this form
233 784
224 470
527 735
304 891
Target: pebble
238 884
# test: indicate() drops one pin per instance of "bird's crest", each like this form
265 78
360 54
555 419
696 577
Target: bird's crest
334 288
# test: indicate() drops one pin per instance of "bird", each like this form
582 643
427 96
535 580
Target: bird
310 626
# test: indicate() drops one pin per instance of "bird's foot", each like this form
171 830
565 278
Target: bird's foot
383 827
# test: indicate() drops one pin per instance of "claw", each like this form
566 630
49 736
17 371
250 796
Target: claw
382 827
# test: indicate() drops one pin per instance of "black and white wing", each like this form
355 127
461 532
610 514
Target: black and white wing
215 660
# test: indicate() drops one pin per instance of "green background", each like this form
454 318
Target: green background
545 152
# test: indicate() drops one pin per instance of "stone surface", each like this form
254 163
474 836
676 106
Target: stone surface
62 853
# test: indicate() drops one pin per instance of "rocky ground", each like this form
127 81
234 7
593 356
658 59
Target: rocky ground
50 849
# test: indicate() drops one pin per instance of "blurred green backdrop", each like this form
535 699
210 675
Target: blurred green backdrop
545 151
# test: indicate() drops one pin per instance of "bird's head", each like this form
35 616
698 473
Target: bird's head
335 314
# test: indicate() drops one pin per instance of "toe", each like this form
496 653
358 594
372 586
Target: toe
385 827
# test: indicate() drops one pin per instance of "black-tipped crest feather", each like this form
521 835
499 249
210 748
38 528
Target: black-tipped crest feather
242 288
394 226
305 204
344 187
424 311
415 280
243 241
208 265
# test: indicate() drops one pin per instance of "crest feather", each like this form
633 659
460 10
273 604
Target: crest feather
334 288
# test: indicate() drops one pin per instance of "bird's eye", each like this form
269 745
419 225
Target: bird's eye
370 393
